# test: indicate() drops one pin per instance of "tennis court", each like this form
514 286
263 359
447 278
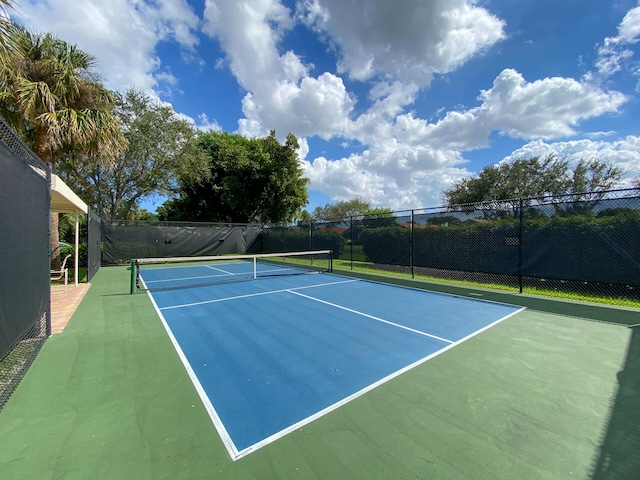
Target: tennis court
271 354
549 392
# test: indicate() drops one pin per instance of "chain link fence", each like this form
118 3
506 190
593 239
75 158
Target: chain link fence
583 245
94 244
25 316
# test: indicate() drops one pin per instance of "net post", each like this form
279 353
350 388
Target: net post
133 277
255 267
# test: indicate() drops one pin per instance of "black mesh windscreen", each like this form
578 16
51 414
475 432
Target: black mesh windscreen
585 246
478 245
586 243
124 240
24 246
94 240
384 241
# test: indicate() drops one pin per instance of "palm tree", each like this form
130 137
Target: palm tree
53 99
5 23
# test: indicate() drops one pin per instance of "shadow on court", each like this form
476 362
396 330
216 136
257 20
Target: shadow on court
619 452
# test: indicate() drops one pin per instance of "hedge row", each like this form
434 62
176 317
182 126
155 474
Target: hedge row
279 240
598 249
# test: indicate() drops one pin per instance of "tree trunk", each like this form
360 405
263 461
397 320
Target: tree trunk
43 150
54 241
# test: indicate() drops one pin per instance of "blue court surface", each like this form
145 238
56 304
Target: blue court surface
270 355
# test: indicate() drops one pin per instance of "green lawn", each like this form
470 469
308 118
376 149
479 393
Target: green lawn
361 266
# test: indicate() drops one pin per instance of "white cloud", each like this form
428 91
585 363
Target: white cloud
315 106
122 34
389 173
411 162
547 108
384 180
393 52
411 43
205 124
281 95
374 39
624 153
614 53
629 28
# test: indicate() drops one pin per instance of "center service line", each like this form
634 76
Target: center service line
372 317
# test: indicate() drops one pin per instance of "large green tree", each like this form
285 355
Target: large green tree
51 96
159 149
534 177
248 180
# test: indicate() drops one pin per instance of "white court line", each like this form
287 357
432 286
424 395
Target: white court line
248 295
233 451
213 414
359 393
372 317
219 270
195 277
236 274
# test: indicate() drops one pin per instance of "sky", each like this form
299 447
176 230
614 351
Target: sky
392 101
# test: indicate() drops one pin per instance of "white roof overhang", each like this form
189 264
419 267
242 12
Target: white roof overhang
63 199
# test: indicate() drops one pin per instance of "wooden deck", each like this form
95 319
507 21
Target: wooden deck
64 304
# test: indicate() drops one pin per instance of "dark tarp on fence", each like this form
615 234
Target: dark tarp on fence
124 240
24 240
587 242
94 240
25 320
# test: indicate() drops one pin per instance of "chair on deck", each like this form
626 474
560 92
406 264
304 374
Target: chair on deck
62 273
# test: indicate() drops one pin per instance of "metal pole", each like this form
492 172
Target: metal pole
132 289
48 215
411 248
520 234
351 247
76 247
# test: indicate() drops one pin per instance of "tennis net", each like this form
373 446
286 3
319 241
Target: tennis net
149 274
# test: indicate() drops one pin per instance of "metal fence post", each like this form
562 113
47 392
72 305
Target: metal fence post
411 246
351 234
520 235
48 311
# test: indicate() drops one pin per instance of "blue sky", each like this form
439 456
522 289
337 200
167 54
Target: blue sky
391 101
